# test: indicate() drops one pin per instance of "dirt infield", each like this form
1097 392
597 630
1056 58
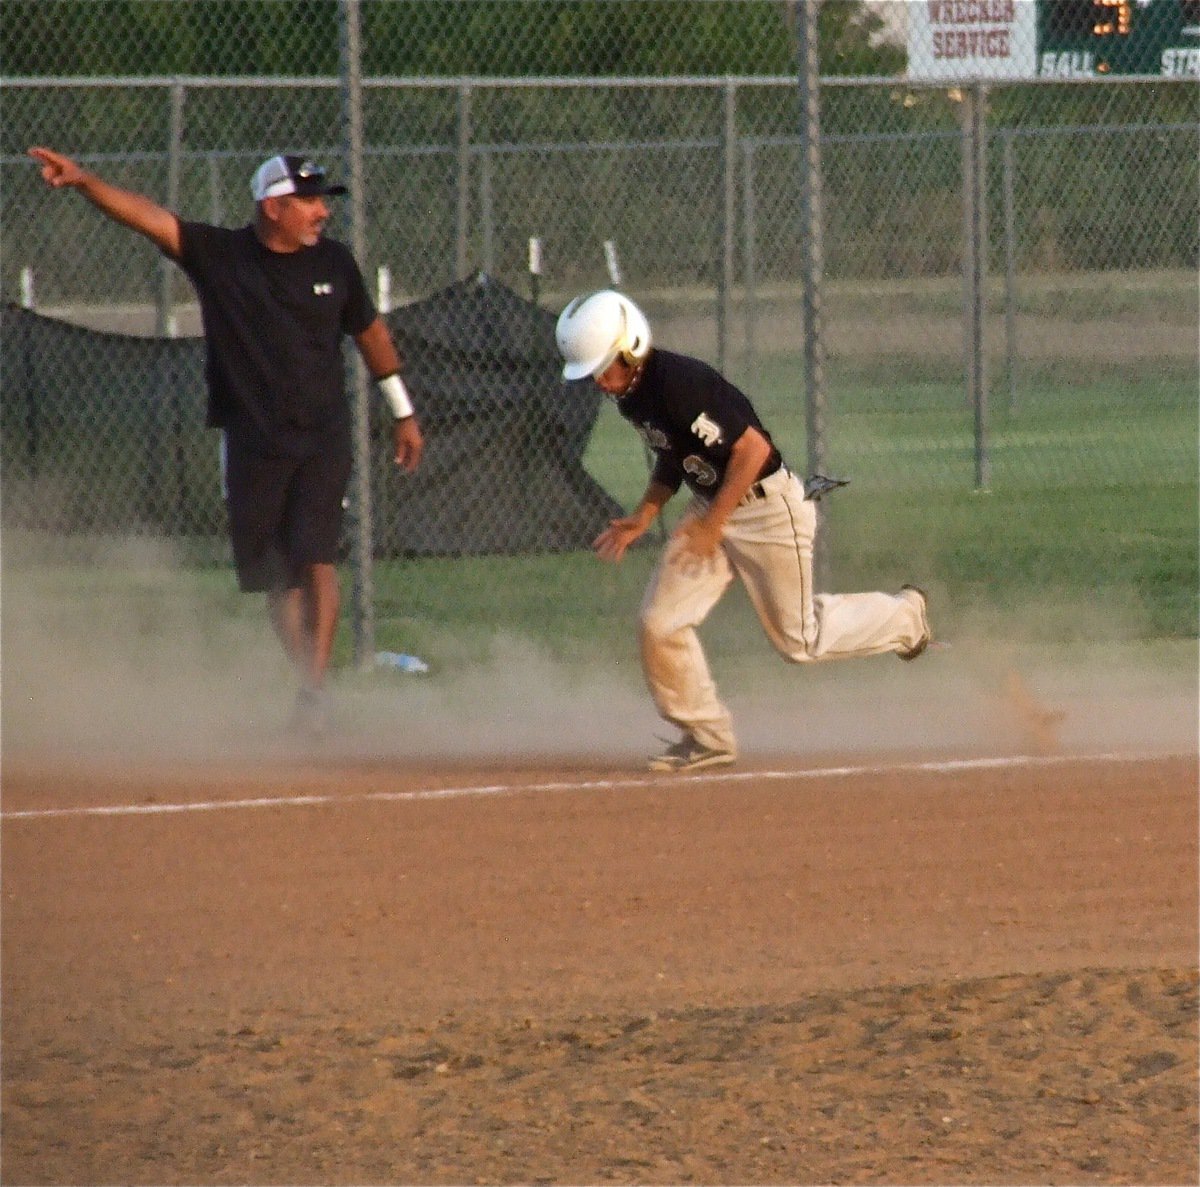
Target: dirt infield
357 973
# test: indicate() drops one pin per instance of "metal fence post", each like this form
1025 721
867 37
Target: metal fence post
812 254
164 321
749 263
361 544
1010 273
728 216
216 200
487 213
462 225
974 157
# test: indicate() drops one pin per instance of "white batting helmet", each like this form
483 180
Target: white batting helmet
593 330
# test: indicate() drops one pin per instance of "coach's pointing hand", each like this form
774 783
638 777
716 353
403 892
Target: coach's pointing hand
57 170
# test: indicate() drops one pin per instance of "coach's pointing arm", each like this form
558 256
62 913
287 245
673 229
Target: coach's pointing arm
123 206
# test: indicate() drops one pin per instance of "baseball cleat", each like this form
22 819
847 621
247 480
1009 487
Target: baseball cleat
689 755
927 635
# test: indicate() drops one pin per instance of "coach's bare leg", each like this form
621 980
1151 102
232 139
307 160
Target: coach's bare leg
305 619
289 615
324 605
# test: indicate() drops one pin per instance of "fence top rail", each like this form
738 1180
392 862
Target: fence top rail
562 82
475 82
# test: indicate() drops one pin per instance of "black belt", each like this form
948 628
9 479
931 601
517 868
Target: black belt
756 488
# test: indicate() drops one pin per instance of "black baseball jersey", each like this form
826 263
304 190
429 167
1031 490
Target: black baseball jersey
273 324
691 416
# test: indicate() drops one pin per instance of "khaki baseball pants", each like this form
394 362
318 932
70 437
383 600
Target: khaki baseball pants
768 544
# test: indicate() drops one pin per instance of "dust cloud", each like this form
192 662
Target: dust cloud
141 668
121 663
975 699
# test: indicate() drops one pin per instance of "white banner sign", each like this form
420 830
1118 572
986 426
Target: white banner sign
968 40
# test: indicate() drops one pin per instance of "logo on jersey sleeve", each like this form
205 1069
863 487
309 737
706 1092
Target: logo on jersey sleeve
653 437
707 430
703 472
323 288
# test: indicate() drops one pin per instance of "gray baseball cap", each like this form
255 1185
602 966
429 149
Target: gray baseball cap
291 175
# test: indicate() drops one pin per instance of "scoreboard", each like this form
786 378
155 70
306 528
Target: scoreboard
966 40
1119 37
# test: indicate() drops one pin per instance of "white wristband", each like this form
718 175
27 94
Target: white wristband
396 395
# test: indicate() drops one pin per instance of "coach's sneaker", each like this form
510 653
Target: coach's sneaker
689 755
313 715
918 596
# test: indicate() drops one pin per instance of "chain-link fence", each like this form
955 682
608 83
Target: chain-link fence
1008 239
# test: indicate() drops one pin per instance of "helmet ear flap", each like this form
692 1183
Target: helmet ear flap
635 343
634 349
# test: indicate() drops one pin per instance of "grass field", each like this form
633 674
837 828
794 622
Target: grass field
916 433
1076 565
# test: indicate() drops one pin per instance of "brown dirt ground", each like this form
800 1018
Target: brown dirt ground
904 977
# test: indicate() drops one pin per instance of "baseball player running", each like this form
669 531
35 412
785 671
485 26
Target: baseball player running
749 517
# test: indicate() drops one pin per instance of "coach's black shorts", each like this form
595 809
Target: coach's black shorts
285 513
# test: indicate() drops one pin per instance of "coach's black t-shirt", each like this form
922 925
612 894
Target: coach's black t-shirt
691 416
273 324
